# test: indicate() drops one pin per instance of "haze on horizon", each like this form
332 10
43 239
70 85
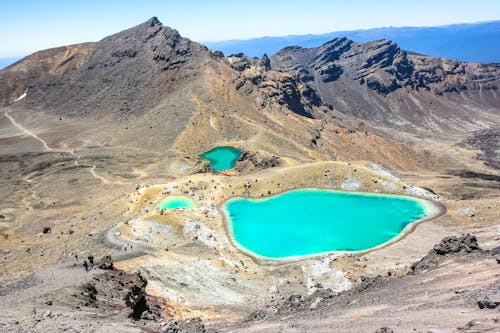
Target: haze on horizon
32 25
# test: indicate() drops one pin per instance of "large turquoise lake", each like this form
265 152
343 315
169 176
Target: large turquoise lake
222 158
308 221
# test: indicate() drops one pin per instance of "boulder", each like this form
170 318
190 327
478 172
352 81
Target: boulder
489 302
89 294
106 263
448 246
467 243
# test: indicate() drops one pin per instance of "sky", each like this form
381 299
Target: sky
27 26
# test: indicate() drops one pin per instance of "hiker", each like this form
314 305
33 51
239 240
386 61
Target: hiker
91 260
76 257
86 265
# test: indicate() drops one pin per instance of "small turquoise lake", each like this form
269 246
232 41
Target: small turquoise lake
174 202
222 158
309 221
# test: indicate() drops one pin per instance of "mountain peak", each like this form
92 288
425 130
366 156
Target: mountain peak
154 21
144 57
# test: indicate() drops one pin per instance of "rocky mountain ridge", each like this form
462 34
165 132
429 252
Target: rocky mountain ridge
383 67
134 70
379 82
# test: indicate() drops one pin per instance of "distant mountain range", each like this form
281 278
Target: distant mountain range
474 42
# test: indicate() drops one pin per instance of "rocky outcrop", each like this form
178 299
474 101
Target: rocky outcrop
448 246
284 90
252 161
136 299
489 302
379 82
467 243
106 263
89 294
383 67
291 97
117 290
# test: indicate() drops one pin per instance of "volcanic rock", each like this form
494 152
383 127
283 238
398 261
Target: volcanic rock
448 246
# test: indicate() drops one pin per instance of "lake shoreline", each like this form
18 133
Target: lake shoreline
433 209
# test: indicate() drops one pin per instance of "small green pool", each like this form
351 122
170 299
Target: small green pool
174 202
222 158
309 221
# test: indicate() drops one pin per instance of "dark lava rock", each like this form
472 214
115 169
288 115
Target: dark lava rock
89 294
106 263
217 54
47 230
259 161
192 325
384 330
136 299
130 53
467 243
113 290
143 305
265 62
489 302
292 98
382 88
448 246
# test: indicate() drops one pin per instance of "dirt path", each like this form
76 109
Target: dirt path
129 249
77 156
92 167
27 131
